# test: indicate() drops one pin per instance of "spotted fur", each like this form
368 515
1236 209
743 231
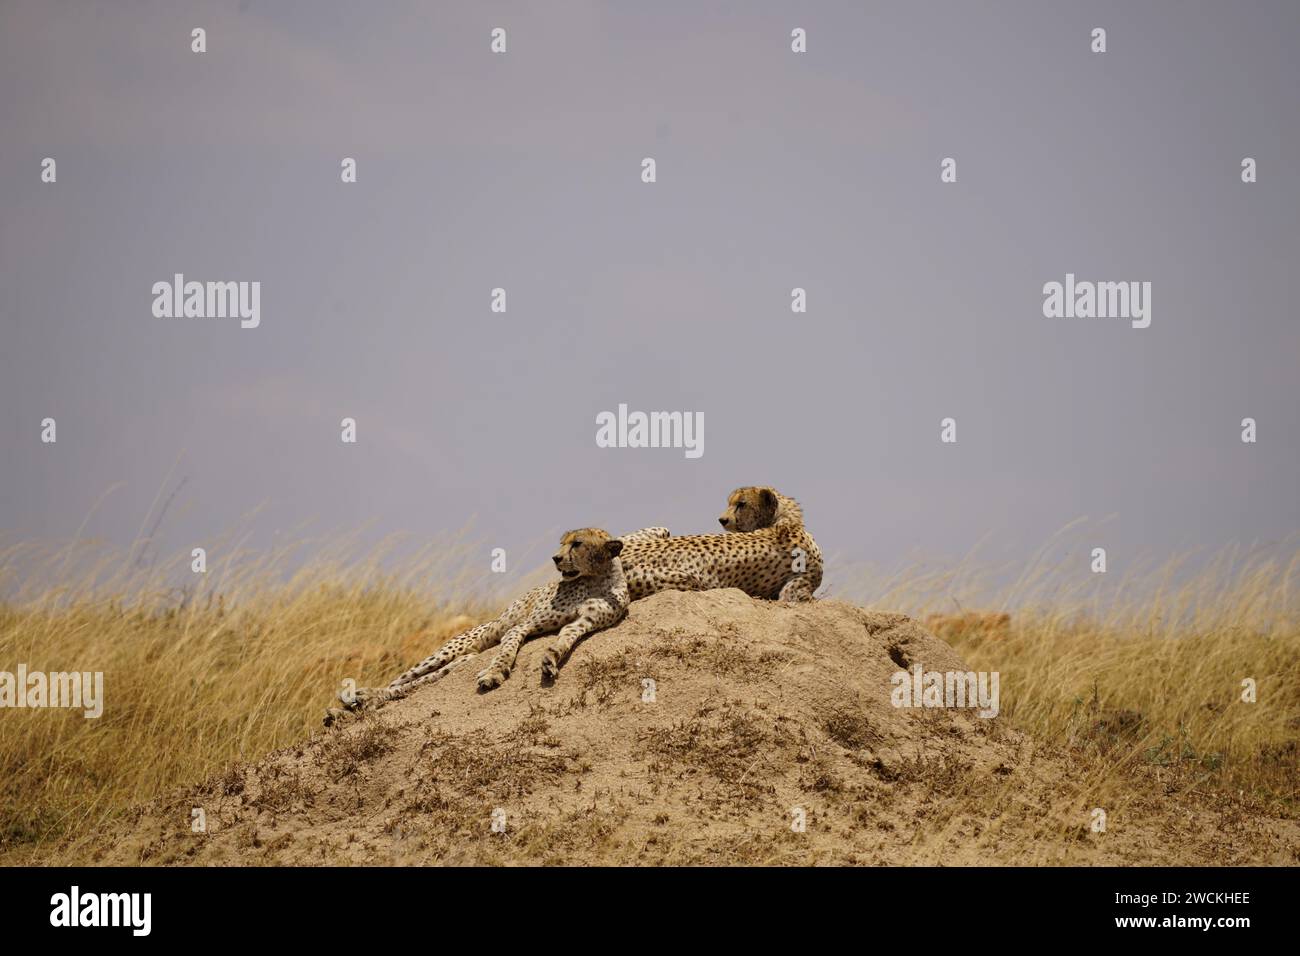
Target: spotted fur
592 594
767 553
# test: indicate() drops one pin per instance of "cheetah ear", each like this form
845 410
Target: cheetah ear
614 547
767 497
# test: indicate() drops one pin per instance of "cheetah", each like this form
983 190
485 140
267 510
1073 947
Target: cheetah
766 552
592 594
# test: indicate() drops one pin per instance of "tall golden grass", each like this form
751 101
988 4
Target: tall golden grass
198 676
244 662
1145 670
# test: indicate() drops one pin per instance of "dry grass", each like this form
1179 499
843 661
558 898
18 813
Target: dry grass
201 679
198 678
1143 670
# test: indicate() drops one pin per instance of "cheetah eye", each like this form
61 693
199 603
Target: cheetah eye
739 505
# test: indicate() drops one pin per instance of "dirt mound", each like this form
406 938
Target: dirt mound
702 729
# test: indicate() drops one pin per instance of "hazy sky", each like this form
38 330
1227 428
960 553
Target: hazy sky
775 170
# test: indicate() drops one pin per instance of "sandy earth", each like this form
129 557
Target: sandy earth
761 713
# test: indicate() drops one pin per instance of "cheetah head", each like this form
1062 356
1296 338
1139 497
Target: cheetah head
586 552
749 509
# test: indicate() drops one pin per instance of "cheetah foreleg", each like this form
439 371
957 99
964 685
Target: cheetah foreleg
503 663
559 651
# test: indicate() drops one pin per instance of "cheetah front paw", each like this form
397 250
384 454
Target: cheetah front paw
491 678
357 699
336 715
550 666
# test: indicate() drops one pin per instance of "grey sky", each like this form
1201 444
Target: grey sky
775 170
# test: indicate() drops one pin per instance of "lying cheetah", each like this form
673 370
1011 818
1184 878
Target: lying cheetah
767 552
591 594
